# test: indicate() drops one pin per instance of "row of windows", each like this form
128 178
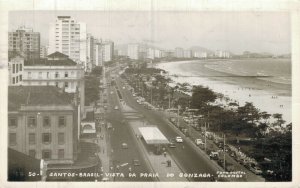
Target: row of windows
17 68
16 79
46 154
46 138
57 74
31 121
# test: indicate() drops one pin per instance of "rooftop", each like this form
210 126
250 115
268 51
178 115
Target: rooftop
36 95
152 135
54 59
57 55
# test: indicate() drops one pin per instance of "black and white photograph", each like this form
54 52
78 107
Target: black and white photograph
150 95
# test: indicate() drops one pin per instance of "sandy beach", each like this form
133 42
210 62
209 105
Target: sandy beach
270 96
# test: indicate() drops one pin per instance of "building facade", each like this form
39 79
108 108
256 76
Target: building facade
43 52
187 54
42 123
108 51
15 70
24 42
133 51
69 37
178 53
57 70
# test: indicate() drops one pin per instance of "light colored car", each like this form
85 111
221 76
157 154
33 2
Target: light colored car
256 170
116 108
124 145
179 139
198 141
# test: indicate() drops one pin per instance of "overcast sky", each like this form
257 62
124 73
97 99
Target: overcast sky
233 31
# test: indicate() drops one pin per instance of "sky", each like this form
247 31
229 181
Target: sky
232 31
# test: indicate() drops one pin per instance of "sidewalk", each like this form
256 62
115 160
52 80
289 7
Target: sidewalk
103 154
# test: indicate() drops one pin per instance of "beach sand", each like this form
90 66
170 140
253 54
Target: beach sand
240 89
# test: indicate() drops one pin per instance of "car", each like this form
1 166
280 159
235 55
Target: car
179 139
136 162
198 141
116 108
256 170
124 145
111 92
214 155
123 87
172 145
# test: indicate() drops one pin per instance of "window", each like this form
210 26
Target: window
17 79
31 138
20 67
12 122
32 153
31 121
20 78
29 74
46 154
61 153
46 121
17 68
56 75
14 80
66 74
12 139
40 74
46 138
47 74
14 68
61 138
66 84
61 121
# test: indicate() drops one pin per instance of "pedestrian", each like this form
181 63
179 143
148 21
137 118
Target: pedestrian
165 154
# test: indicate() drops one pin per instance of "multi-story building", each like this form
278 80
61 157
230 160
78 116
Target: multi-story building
57 70
43 52
157 53
69 37
151 53
178 53
15 69
99 54
187 54
24 42
222 54
133 51
42 123
90 47
108 50
198 54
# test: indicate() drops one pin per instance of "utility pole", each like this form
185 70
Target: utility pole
205 137
178 116
224 165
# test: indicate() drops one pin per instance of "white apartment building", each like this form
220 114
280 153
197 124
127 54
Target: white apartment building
179 52
98 54
187 54
15 69
200 54
133 51
69 37
150 53
157 53
108 51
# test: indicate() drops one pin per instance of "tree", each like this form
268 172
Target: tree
248 113
91 89
201 96
264 115
97 71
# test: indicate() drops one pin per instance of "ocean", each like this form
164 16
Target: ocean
264 82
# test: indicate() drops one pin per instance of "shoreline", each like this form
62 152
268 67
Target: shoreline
240 89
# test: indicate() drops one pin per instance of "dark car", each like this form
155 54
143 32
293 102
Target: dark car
172 145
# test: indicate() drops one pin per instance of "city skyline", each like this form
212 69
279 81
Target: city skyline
216 30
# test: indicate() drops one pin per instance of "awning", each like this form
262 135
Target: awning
152 135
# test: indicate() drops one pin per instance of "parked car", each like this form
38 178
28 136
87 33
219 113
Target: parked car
179 139
136 162
214 155
256 170
198 141
172 145
124 145
116 108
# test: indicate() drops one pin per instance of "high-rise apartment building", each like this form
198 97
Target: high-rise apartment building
43 52
133 51
24 42
69 37
108 50
179 52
